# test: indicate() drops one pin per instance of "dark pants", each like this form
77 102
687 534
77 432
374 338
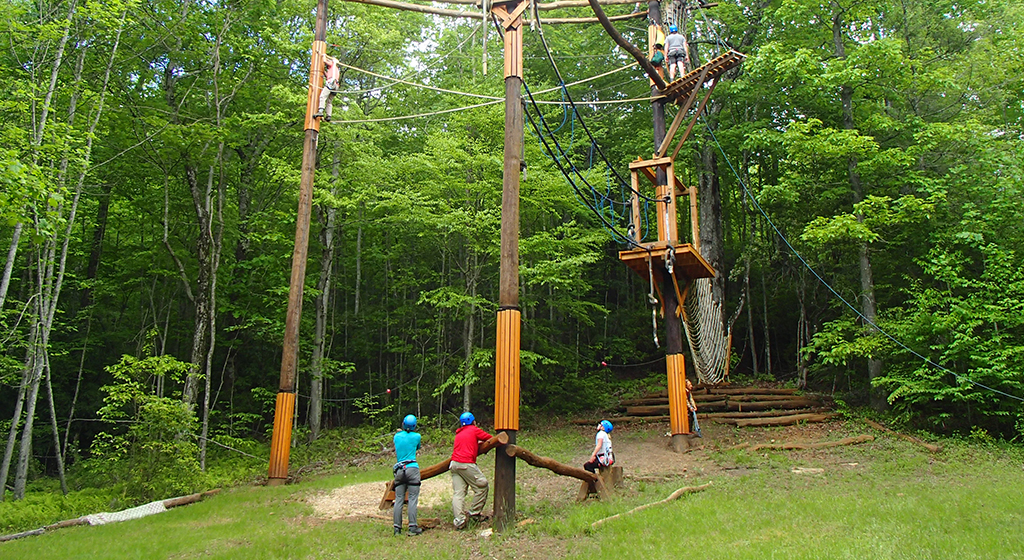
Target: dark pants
593 466
407 480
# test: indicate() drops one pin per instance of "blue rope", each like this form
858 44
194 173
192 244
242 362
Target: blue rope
750 195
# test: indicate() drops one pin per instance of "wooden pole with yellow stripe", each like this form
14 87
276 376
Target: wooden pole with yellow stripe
506 367
280 445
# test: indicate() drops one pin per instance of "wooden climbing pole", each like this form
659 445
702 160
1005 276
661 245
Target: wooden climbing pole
281 441
669 263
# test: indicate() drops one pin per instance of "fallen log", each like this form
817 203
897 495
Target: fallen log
623 420
751 391
779 420
768 405
643 401
673 496
440 468
819 445
103 518
930 447
762 414
554 466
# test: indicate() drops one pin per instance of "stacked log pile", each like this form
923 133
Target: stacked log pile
739 406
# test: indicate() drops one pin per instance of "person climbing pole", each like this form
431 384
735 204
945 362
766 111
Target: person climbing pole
407 474
465 473
658 56
691 406
603 456
675 50
331 76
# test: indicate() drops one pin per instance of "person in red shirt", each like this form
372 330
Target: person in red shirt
465 473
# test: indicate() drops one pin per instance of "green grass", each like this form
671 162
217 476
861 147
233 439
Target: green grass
896 502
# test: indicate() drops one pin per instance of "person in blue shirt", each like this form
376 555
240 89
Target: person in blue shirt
407 474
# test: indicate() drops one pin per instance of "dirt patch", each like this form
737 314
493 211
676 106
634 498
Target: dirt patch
643 451
363 500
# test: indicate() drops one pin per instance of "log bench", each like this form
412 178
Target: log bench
610 476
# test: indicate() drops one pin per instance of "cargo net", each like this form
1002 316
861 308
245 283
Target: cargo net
702 316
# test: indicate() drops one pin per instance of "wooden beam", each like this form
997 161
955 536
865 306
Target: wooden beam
673 496
783 420
928 446
467 14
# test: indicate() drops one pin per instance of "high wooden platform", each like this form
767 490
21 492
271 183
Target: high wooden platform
679 90
688 262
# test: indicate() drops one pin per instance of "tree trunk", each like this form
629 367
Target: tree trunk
472 275
867 284
12 253
327 215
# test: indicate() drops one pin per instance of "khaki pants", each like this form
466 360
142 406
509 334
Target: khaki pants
464 476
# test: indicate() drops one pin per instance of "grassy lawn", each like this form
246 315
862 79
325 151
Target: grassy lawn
886 499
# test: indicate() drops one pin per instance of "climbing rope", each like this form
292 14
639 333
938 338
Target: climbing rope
709 348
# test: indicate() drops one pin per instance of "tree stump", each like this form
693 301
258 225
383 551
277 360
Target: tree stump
607 478
611 476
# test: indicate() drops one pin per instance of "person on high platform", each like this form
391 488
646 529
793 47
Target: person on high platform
675 51
331 76
465 473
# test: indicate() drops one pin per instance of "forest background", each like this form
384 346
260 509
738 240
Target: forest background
149 170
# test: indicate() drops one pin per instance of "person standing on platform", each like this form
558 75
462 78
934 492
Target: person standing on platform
407 475
675 51
602 455
331 76
465 473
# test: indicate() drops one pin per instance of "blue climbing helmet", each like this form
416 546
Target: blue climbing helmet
467 418
409 423
607 426
672 29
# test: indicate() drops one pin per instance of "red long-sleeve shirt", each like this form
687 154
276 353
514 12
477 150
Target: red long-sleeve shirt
466 446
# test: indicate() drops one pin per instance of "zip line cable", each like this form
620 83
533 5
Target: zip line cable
831 289
427 67
493 102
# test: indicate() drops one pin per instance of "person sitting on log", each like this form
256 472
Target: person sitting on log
465 473
691 406
602 455
407 474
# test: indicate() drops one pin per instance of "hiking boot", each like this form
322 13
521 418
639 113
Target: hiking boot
480 518
318 114
414 530
460 525
398 531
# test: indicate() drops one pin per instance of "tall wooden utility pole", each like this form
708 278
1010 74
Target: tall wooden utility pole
506 360
280 446
675 363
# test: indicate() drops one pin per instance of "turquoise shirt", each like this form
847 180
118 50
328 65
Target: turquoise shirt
406 444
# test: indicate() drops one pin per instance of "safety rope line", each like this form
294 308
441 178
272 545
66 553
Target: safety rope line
958 376
427 67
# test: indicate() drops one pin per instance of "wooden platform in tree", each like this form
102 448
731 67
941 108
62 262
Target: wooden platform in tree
679 90
688 262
